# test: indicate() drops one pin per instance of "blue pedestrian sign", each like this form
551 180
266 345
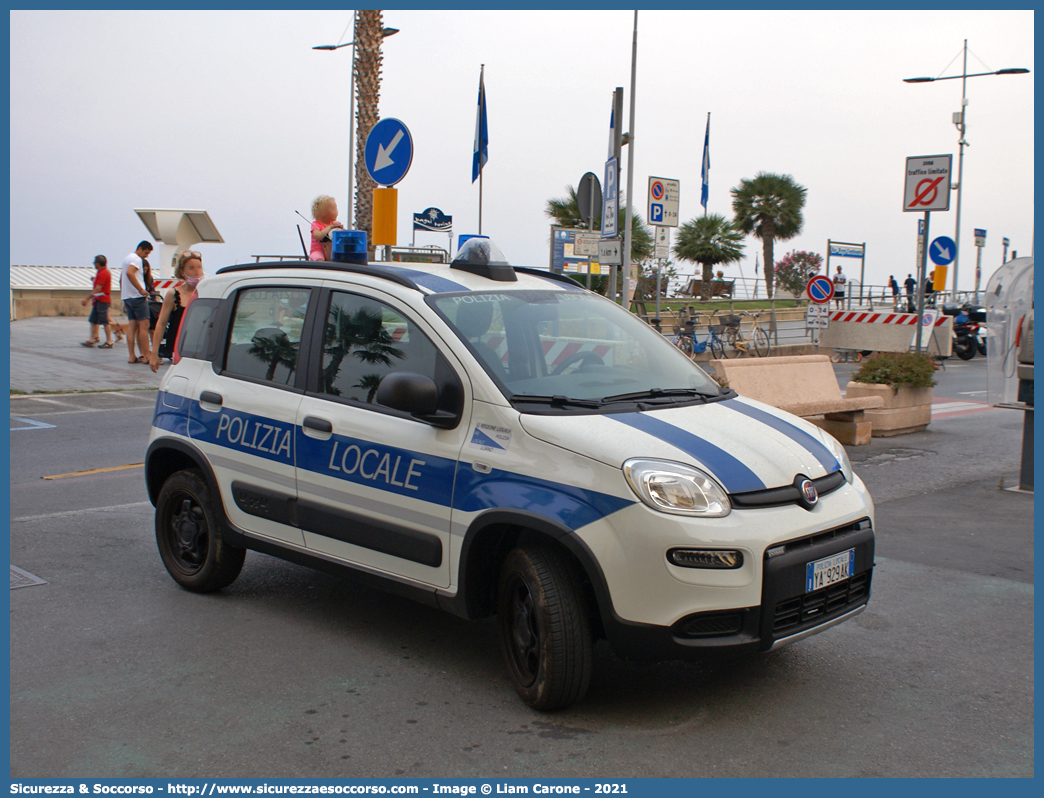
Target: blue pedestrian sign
389 152
942 251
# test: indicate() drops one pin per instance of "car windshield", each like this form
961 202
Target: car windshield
571 348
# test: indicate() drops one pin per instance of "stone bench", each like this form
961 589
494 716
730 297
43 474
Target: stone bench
804 385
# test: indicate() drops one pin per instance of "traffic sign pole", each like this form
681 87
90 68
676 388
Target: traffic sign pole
921 273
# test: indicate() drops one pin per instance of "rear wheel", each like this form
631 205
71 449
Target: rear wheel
190 545
685 345
981 346
545 631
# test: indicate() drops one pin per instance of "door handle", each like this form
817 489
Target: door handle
318 424
211 398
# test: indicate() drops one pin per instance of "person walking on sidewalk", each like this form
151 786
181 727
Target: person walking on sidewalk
188 273
101 300
894 285
136 302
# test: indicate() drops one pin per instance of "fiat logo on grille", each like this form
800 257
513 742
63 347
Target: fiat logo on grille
808 490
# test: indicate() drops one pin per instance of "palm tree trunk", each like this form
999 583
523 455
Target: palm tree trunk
768 235
369 27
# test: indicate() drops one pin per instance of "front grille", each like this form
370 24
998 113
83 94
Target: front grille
789 494
821 604
728 623
809 541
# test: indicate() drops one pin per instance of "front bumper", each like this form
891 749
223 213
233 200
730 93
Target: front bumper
786 613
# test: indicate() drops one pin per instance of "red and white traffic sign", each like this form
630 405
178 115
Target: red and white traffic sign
820 289
927 183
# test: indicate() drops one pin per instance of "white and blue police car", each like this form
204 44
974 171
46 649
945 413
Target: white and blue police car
499 441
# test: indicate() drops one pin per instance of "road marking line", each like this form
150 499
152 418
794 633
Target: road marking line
66 513
32 424
123 409
95 471
53 401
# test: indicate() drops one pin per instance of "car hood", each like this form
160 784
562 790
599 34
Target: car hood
744 444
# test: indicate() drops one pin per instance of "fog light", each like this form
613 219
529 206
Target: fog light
705 558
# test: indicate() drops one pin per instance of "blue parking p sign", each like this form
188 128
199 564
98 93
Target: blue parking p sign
656 212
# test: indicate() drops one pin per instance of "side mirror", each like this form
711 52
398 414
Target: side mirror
417 395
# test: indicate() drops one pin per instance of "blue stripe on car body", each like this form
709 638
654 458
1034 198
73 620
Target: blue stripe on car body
815 447
734 475
404 472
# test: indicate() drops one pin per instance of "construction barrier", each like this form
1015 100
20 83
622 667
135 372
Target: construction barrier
887 332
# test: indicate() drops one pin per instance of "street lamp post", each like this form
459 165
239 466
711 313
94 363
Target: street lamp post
351 104
961 121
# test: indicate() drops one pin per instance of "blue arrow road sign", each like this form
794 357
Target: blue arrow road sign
942 251
389 152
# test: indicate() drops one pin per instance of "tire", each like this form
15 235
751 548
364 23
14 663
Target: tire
717 348
188 539
981 346
545 631
731 336
964 348
685 345
762 345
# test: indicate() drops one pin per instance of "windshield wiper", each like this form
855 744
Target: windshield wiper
660 393
556 401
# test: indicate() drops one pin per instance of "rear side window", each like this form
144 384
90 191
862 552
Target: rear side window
363 341
195 328
265 336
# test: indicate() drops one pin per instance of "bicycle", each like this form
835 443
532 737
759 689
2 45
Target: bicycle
756 339
688 343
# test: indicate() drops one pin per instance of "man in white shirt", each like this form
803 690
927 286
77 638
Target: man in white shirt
839 288
136 302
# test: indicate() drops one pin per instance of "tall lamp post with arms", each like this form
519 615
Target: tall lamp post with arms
961 121
385 33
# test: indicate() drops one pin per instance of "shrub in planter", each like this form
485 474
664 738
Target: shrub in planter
896 369
904 380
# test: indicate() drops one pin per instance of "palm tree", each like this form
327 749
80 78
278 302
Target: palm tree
769 207
369 31
709 240
565 211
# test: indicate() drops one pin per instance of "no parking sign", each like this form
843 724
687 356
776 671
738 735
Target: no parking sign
820 289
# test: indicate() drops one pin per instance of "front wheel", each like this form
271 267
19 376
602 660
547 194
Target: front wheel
717 348
545 631
187 535
981 346
964 348
762 346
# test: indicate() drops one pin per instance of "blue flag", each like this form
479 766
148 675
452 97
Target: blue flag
706 168
481 132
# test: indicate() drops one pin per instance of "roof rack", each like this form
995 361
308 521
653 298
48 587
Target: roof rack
356 268
562 278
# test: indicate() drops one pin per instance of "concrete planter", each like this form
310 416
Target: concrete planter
909 410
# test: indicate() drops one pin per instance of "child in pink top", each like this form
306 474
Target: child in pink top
324 211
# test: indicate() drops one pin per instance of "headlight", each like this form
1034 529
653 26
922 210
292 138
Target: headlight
675 488
839 452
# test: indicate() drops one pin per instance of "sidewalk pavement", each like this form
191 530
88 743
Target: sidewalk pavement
46 356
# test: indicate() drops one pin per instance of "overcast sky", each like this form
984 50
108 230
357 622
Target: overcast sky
233 112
